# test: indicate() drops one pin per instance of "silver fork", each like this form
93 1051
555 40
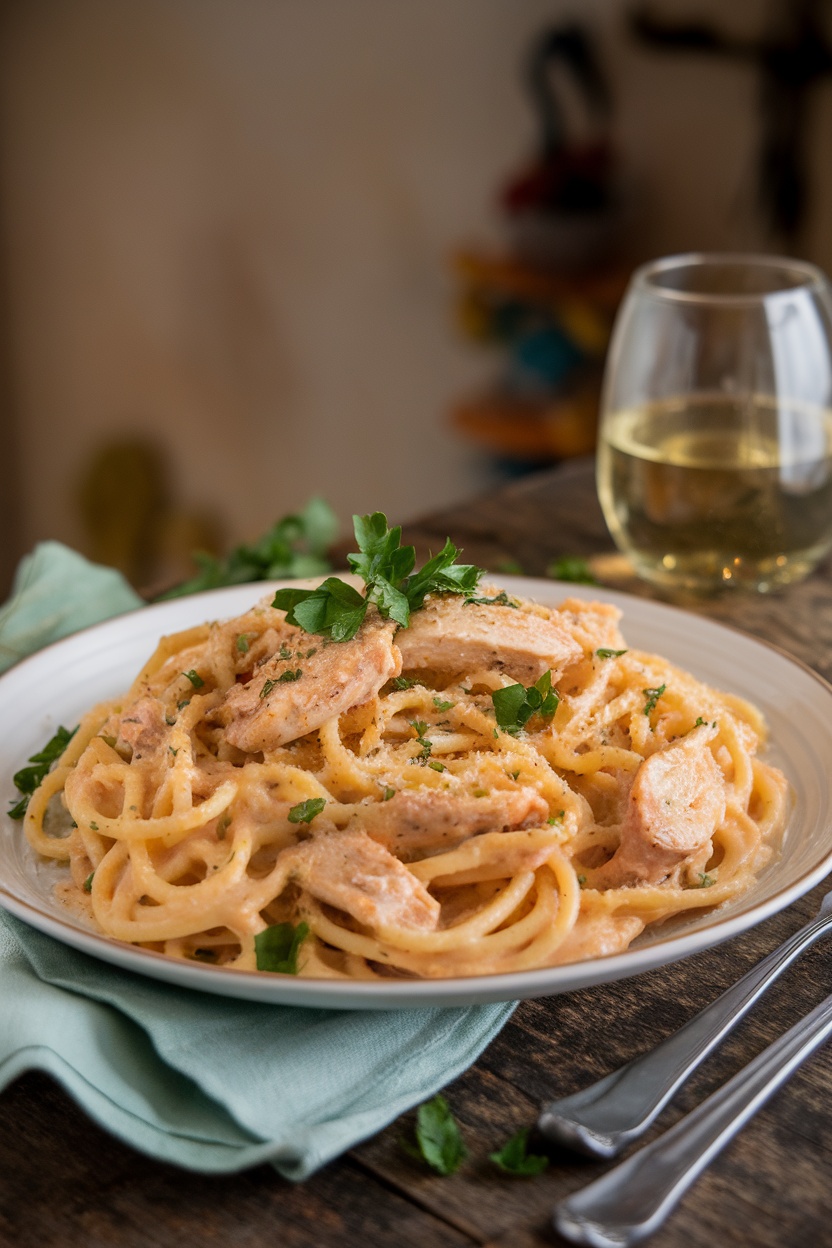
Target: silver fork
631 1201
603 1118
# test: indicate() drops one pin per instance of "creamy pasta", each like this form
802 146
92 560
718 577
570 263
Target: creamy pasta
497 787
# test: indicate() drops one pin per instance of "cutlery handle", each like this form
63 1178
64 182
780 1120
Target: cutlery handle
631 1201
602 1119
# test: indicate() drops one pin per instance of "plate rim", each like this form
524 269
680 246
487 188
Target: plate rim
398 993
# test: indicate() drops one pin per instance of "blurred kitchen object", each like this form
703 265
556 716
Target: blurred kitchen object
549 300
793 55
131 519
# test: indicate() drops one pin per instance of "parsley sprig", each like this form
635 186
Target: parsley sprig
515 705
337 610
295 545
29 778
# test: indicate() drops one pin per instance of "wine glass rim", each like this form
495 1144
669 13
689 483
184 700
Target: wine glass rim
803 274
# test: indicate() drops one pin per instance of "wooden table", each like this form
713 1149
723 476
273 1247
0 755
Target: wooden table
63 1182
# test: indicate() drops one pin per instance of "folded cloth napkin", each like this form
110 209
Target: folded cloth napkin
206 1082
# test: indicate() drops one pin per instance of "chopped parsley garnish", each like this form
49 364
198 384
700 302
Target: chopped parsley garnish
242 644
604 653
305 812
438 1138
94 827
29 778
88 882
277 947
515 705
388 793
500 600
436 765
558 818
295 546
195 678
514 1157
441 705
284 652
420 728
337 610
705 881
405 682
571 568
653 696
283 679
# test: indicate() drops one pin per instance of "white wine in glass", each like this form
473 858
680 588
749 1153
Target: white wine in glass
715 446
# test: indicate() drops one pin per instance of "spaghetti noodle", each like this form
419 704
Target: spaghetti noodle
500 786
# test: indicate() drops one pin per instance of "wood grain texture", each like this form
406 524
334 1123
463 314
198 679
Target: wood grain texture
63 1182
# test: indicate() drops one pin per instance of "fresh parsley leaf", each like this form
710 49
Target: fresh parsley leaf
515 1159
337 610
88 882
705 881
277 947
653 696
268 685
242 644
441 575
604 653
305 812
195 678
571 568
442 705
438 1138
291 674
515 705
29 778
295 545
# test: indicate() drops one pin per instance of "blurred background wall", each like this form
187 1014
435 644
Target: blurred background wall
227 226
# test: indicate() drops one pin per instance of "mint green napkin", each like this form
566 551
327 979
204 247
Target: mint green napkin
209 1083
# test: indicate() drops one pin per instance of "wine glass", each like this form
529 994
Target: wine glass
715 443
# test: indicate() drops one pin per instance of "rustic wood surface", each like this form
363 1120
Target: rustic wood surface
63 1182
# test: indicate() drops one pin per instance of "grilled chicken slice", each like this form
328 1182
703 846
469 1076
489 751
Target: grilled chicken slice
429 821
288 697
454 635
676 804
593 625
354 873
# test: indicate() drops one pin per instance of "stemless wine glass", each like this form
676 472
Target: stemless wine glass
715 444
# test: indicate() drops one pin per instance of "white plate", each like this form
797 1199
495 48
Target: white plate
60 682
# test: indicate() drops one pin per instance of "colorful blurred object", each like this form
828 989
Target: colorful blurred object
548 302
